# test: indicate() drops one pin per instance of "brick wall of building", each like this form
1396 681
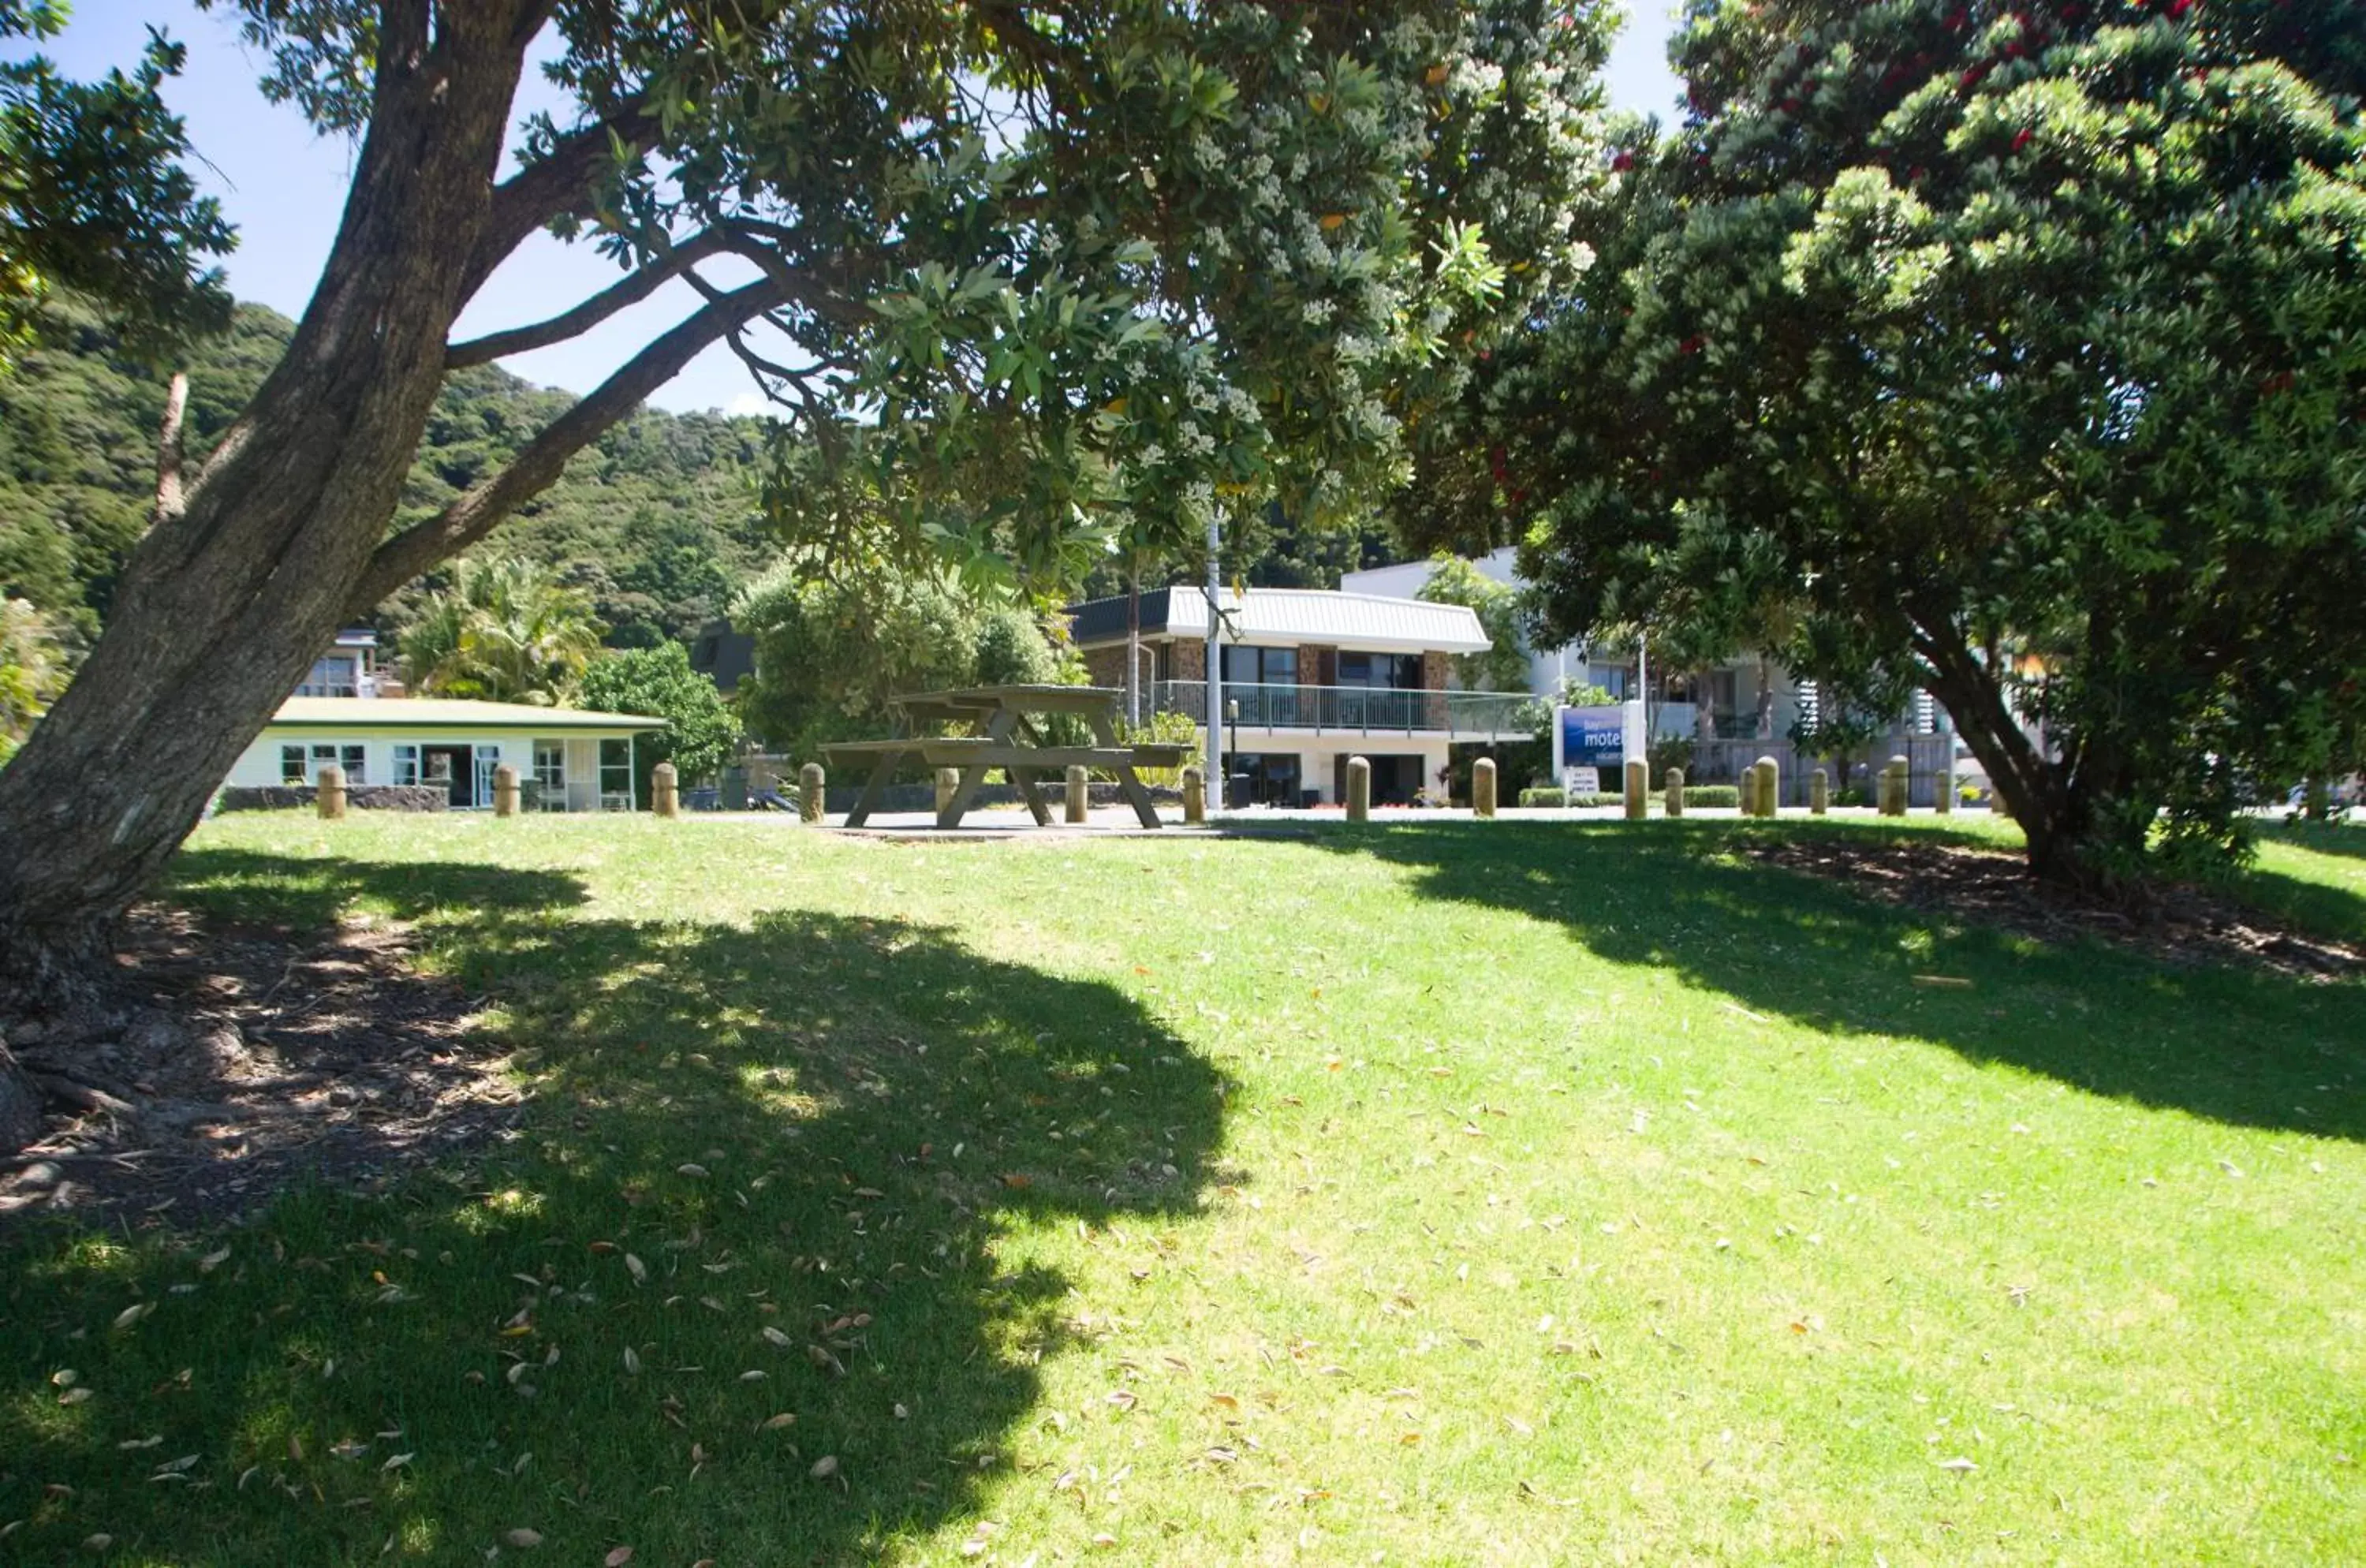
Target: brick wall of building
1105 665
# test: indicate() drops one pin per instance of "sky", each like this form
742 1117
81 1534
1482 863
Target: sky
283 187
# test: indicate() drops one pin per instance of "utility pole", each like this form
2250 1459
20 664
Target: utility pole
1214 684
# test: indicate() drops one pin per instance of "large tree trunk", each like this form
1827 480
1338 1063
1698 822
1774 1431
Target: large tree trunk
248 570
2054 814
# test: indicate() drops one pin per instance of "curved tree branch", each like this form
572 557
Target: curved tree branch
549 187
477 512
633 288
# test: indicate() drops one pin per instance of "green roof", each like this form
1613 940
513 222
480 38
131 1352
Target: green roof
449 712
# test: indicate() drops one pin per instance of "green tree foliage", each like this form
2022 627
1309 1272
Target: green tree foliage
33 670
656 520
2009 353
1057 275
1504 666
831 649
1328 206
93 195
700 732
502 632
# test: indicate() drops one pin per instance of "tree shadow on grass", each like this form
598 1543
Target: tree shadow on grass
2246 1047
766 1174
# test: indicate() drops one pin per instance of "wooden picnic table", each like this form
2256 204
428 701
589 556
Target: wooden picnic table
1012 742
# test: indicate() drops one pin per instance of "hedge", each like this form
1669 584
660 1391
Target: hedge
1710 796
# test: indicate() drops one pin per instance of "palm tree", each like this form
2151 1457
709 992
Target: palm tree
502 632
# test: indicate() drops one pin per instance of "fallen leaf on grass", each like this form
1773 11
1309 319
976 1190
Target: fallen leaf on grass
524 1537
632 1362
133 1313
618 1558
824 1467
636 1269
1958 1465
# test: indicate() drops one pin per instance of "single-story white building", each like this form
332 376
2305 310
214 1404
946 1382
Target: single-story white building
578 759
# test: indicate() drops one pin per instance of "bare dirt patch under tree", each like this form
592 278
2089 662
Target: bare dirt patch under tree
2184 924
236 1062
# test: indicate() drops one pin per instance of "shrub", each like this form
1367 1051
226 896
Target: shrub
1694 795
1176 729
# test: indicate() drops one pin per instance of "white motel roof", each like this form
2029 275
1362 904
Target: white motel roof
1360 622
450 713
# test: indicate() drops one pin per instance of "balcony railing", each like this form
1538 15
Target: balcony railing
1364 710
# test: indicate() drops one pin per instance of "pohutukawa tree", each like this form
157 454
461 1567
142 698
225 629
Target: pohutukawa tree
2008 350
1086 259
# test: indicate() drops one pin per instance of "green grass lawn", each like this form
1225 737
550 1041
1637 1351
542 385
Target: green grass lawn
1511 1193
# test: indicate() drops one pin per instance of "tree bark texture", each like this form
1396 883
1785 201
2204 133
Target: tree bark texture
279 535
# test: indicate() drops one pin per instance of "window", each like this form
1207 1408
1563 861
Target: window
616 775
334 675
551 773
1261 666
406 764
302 764
1388 671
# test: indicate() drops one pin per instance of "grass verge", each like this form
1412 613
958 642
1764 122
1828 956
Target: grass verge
1522 1192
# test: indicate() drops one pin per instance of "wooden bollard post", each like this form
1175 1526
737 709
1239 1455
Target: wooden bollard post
665 790
1675 786
1483 787
1820 792
948 785
1637 789
1080 798
1359 789
330 786
1901 784
505 790
1195 797
1748 790
1942 800
812 787
1769 785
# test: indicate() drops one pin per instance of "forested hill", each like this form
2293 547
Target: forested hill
656 520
